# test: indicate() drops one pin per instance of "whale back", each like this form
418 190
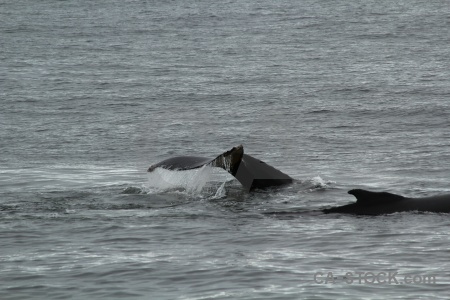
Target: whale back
368 198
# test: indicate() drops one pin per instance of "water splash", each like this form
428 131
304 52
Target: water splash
192 181
221 192
318 183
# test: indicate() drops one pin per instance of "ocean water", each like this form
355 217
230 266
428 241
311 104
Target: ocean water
337 94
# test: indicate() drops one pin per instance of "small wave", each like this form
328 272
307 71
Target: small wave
132 190
320 111
62 177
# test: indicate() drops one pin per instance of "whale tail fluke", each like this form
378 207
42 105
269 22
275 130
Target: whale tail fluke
250 172
256 174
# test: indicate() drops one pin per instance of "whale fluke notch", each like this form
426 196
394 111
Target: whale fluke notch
229 160
250 172
364 197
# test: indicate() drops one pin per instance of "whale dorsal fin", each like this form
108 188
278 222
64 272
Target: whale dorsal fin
364 197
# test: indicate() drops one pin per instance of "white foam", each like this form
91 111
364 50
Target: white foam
221 192
192 181
318 183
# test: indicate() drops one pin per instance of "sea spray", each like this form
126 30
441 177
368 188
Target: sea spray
193 181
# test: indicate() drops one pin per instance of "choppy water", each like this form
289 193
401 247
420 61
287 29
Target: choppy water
337 94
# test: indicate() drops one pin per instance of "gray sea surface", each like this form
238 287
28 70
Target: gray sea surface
337 94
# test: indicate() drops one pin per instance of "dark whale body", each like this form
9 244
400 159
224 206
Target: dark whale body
381 203
252 173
